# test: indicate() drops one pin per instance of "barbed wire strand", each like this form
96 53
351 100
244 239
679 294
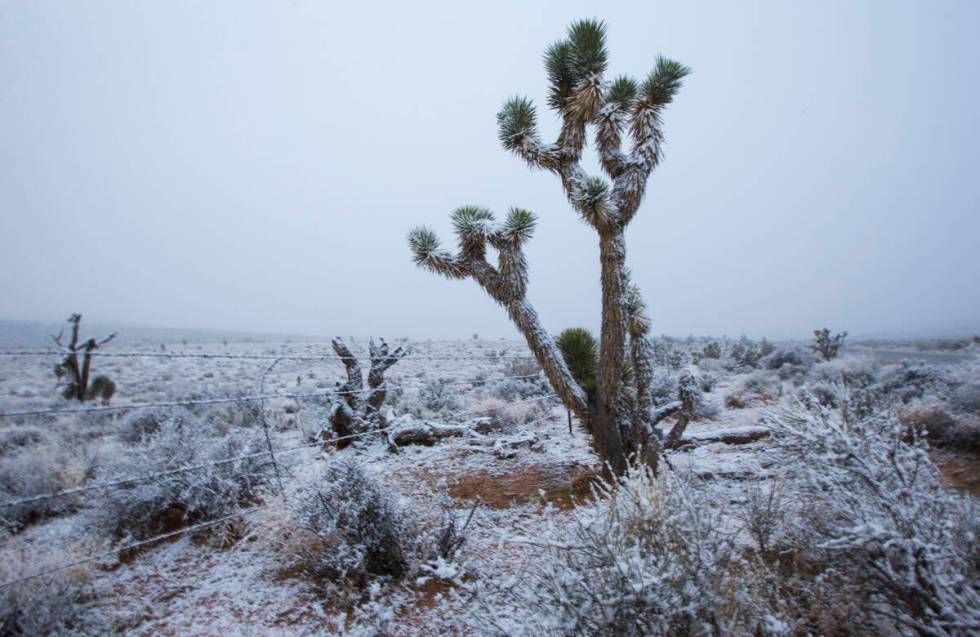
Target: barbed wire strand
237 399
131 547
295 357
281 451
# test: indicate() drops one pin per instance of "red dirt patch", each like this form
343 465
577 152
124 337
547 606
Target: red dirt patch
562 486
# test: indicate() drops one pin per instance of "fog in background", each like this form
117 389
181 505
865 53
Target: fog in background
256 165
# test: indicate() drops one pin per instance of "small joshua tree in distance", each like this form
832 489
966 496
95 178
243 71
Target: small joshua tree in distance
581 97
359 411
75 375
828 345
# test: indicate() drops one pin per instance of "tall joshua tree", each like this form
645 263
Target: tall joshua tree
620 417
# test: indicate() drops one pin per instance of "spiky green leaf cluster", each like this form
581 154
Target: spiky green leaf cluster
470 220
623 92
558 64
664 81
593 200
520 224
580 350
423 242
579 57
516 122
588 41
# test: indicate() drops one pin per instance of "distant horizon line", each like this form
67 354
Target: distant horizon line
951 333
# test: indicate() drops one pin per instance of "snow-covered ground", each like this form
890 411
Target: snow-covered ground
191 584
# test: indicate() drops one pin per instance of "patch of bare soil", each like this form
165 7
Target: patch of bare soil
562 486
961 469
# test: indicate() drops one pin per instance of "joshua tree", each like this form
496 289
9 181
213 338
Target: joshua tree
358 410
827 345
77 384
582 98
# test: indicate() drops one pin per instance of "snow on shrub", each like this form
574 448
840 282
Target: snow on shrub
752 389
966 397
39 469
140 424
151 507
348 528
50 605
877 503
789 361
439 395
650 557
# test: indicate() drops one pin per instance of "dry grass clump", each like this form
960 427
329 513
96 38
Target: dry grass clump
54 604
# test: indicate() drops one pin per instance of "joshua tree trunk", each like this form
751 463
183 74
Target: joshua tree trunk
548 357
582 98
78 376
359 410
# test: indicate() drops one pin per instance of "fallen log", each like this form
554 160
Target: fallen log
507 447
733 436
408 430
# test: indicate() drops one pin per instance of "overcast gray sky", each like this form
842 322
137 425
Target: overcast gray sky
256 165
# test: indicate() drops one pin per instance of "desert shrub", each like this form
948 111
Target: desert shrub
966 398
49 605
827 345
763 514
709 379
137 425
508 415
855 373
521 367
711 350
223 418
667 353
942 428
513 389
439 395
102 387
788 355
745 354
40 469
663 386
348 529
752 389
16 437
650 557
151 507
910 380
877 506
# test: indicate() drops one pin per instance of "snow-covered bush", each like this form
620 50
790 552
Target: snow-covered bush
16 437
854 372
942 428
966 397
792 356
663 386
877 504
513 389
439 395
910 380
151 507
137 425
49 605
650 557
752 389
521 367
347 528
763 514
39 469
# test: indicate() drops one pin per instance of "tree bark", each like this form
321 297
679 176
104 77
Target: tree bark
546 354
605 426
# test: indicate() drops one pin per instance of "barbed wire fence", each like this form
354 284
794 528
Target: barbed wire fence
261 398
